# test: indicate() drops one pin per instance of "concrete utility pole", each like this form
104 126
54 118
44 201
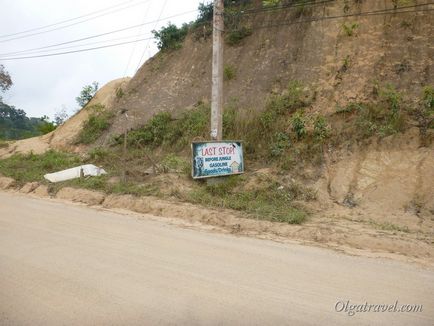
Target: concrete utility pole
217 72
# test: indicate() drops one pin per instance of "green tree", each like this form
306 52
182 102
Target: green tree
5 79
86 94
170 36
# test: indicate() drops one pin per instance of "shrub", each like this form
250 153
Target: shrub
298 124
98 121
229 72
170 36
235 36
350 28
280 144
153 132
293 98
320 128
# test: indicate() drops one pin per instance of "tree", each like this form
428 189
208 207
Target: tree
61 116
86 94
45 126
5 79
170 36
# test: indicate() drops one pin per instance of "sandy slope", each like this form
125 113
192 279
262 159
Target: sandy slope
64 136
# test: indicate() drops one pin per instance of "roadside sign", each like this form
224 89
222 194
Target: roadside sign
217 158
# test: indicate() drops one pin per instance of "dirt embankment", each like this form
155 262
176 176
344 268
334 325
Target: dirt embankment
63 137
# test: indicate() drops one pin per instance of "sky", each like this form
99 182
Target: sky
46 85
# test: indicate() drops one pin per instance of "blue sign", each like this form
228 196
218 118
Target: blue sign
218 158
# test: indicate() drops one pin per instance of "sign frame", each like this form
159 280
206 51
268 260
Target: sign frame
216 142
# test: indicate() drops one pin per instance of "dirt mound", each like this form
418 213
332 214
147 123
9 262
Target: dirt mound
63 137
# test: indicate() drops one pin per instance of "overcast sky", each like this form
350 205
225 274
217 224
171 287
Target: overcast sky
42 86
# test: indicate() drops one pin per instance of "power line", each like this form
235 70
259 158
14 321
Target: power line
65 21
134 46
76 51
362 14
106 33
281 23
155 26
73 24
75 46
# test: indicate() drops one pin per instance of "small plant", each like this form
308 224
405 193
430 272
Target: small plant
321 129
119 93
350 28
235 36
229 72
280 144
298 123
424 112
98 121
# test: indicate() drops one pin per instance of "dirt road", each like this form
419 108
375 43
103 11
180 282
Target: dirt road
63 264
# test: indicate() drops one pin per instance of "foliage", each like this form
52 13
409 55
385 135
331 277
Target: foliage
271 3
424 111
98 121
293 98
14 124
162 129
86 94
271 202
280 144
350 28
229 72
5 79
383 117
31 167
60 117
153 132
170 36
298 124
46 126
206 11
235 36
321 129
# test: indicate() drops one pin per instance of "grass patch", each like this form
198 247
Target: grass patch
31 167
98 121
386 226
272 202
229 72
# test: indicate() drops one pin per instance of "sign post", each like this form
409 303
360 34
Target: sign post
217 158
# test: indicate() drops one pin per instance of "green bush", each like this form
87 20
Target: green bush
298 124
153 132
235 36
170 36
229 72
293 98
321 129
98 121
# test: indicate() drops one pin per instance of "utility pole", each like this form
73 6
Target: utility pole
217 72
